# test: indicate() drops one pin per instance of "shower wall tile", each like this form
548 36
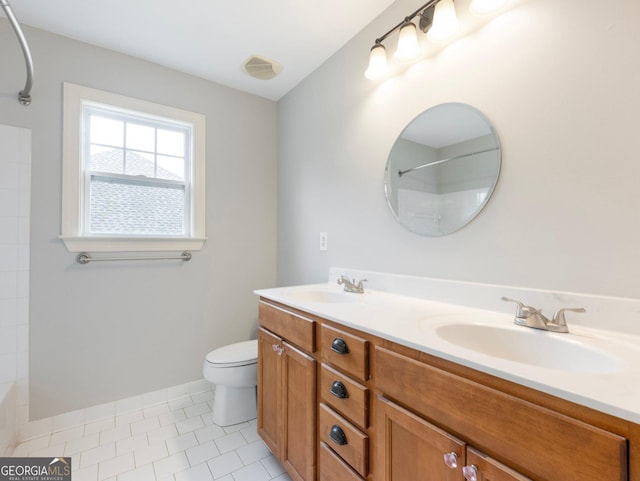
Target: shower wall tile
8 285
9 257
8 340
7 367
24 228
9 230
9 175
15 201
8 312
8 202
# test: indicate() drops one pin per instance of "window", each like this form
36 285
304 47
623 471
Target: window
133 176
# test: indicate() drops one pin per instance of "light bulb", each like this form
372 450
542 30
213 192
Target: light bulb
486 7
377 63
445 22
407 43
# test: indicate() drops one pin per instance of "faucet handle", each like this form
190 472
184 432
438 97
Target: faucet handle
558 317
522 311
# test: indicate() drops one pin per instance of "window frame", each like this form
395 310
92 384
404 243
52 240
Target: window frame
74 175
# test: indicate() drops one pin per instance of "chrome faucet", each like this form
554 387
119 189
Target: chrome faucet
350 285
531 317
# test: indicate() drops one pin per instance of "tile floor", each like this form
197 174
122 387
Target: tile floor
171 441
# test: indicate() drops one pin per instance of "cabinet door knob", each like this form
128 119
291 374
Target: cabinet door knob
278 349
451 460
339 390
337 435
340 346
470 473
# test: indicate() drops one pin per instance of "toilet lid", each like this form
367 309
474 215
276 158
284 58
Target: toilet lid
237 354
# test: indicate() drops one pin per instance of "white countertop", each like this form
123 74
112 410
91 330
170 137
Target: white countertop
612 386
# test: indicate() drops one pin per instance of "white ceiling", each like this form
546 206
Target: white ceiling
212 38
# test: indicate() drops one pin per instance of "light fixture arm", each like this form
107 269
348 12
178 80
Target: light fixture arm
406 19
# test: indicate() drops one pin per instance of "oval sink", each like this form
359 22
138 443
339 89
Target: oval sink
325 295
530 346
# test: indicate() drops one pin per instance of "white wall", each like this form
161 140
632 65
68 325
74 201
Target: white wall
558 79
15 167
103 332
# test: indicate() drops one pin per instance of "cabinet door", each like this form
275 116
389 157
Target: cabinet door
409 448
488 469
299 414
269 390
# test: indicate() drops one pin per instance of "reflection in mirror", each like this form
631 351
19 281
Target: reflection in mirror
442 169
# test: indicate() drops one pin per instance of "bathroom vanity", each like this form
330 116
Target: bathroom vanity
344 396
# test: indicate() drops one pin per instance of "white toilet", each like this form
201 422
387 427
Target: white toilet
234 371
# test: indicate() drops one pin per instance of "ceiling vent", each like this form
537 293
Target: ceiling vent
261 67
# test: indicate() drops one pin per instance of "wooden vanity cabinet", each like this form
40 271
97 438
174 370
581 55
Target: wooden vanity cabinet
287 391
407 415
535 441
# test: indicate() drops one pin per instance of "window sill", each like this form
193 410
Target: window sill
129 244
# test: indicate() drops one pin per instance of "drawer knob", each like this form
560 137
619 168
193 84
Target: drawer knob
340 346
470 473
451 460
339 390
337 435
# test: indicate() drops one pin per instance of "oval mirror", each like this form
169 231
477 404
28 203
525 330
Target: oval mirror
442 169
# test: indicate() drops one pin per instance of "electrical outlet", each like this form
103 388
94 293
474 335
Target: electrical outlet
323 241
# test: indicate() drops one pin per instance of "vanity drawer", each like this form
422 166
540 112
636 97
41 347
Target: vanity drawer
332 468
344 438
293 327
344 395
532 439
345 351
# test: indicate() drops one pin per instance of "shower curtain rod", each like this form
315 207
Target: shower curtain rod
436 162
24 97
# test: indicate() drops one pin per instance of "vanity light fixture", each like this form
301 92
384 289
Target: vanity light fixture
408 48
445 22
378 66
437 18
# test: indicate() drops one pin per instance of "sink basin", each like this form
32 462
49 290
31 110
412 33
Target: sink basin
326 295
530 346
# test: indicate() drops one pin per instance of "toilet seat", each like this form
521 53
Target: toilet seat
234 355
